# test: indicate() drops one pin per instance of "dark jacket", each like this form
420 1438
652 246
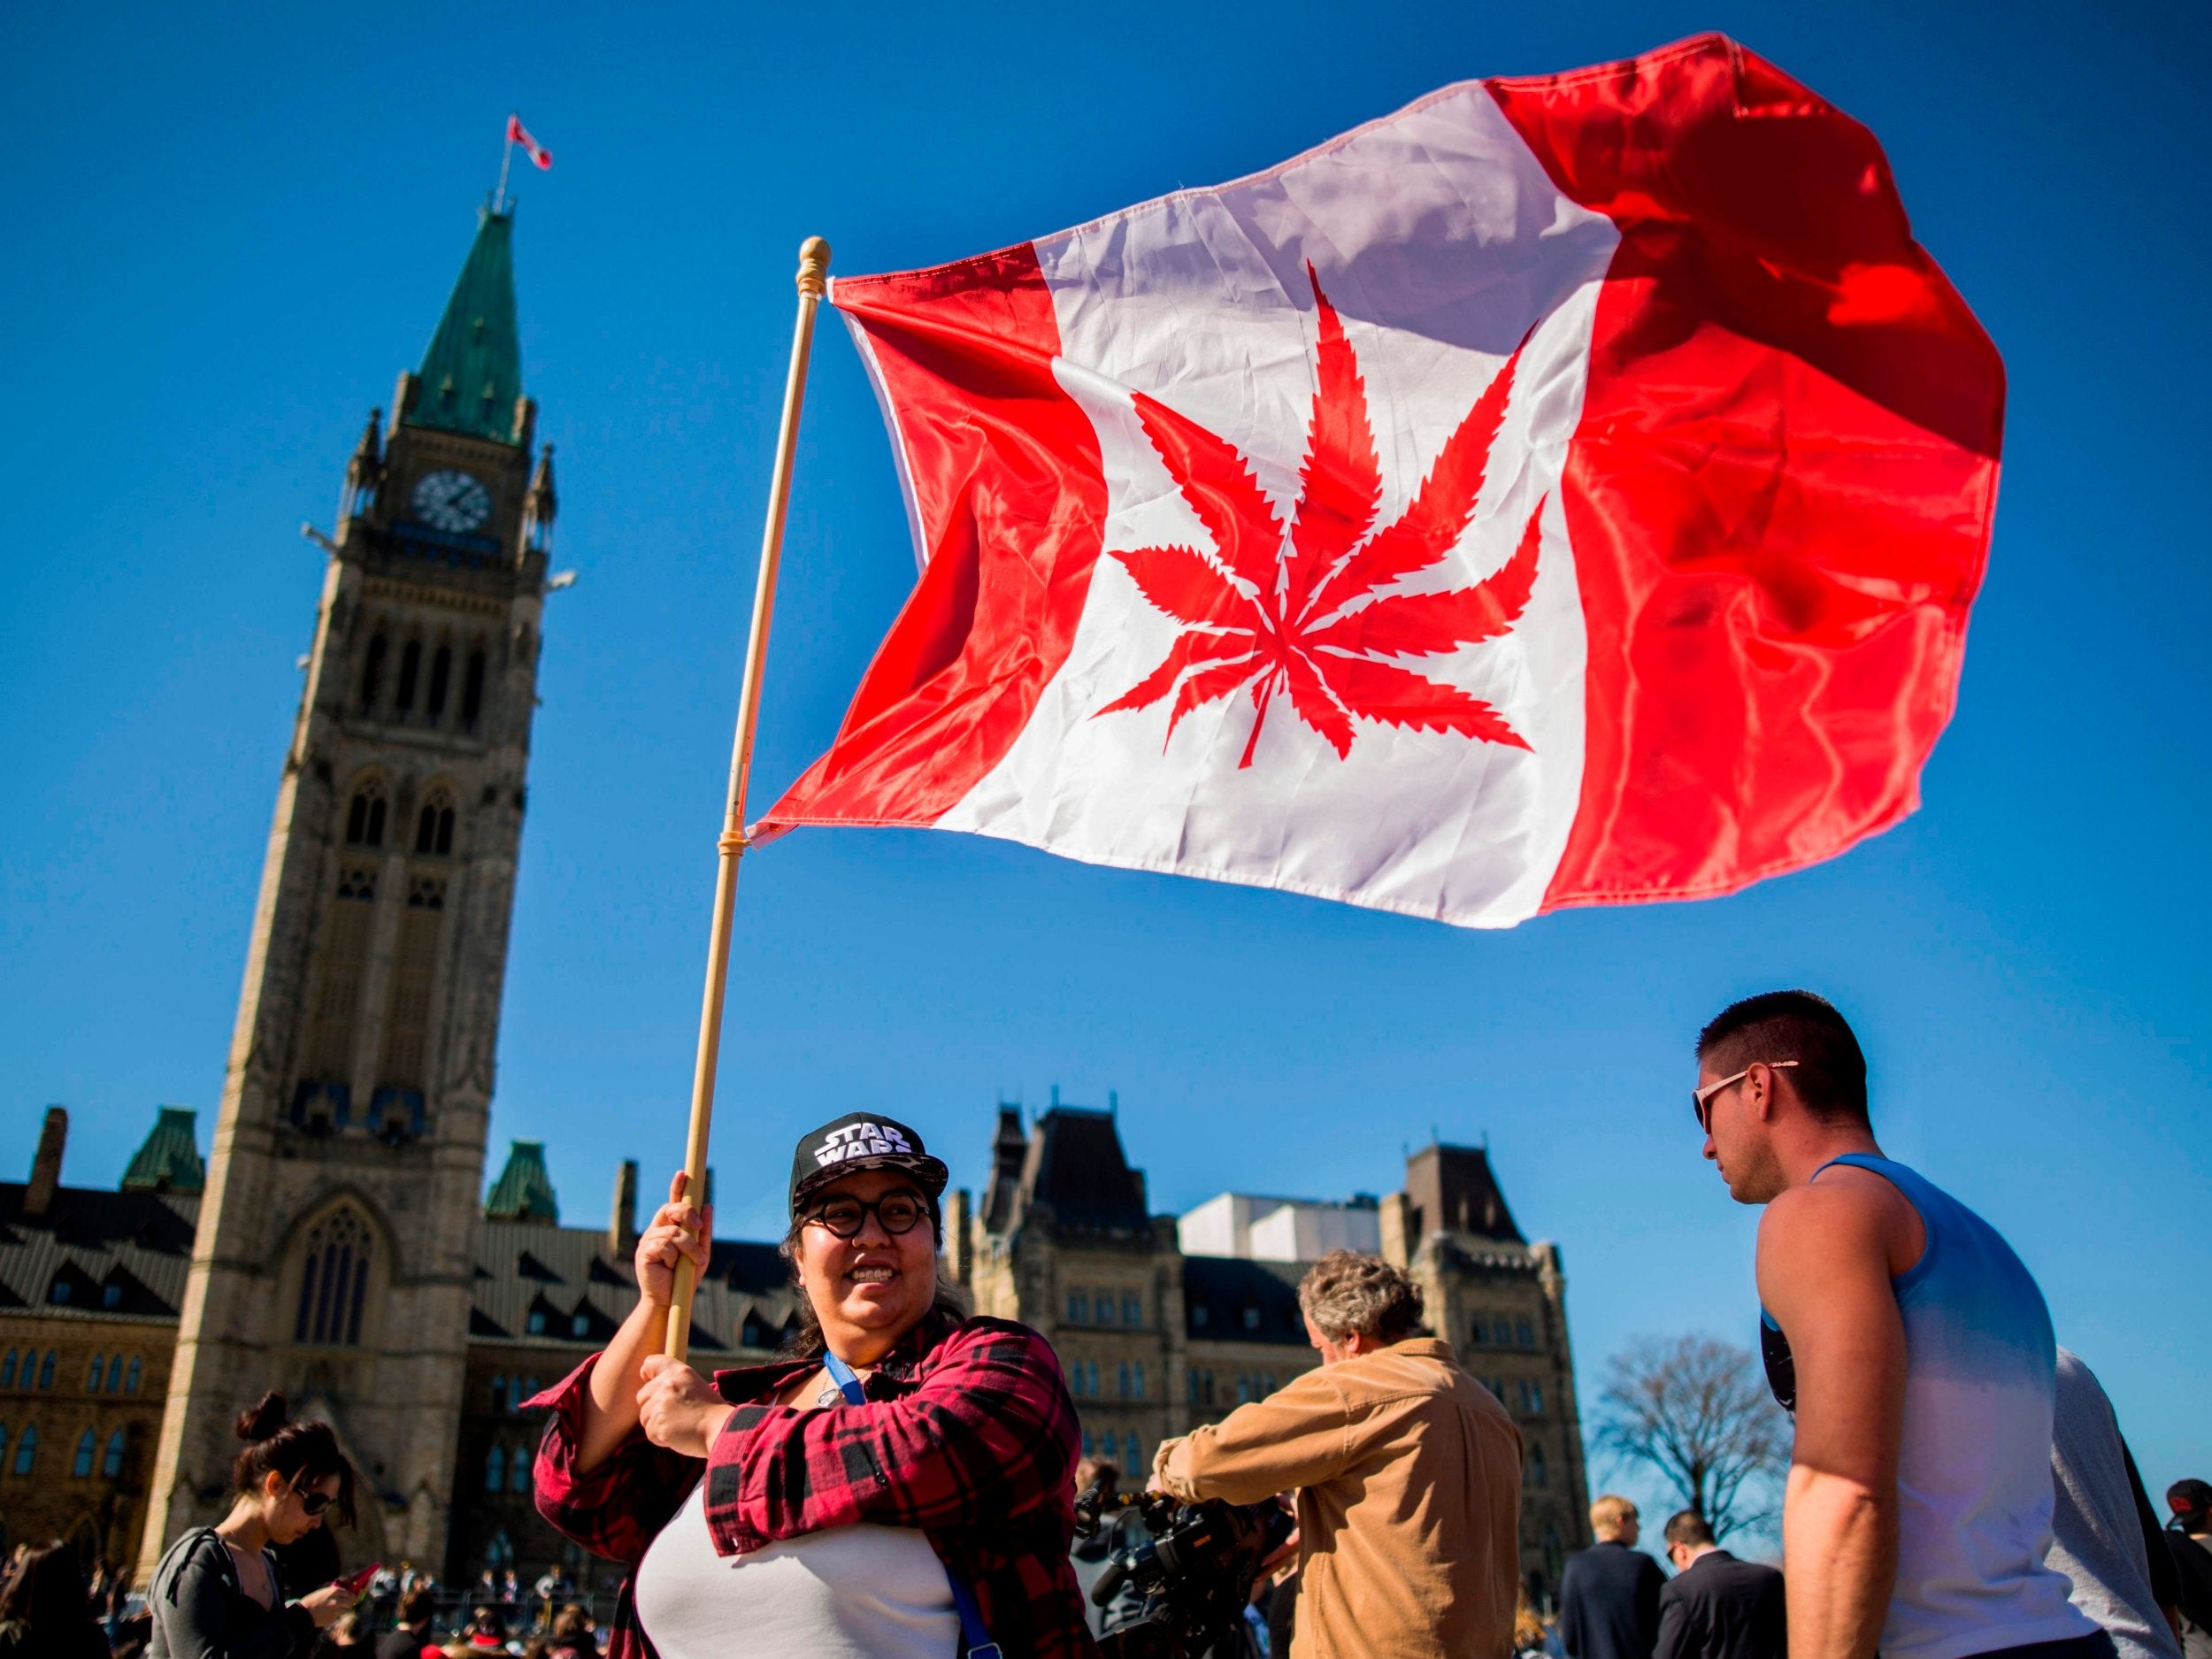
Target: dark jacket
1609 1603
1720 1607
201 1612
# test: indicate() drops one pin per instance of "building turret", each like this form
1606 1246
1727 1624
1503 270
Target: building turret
524 1191
169 1161
540 506
363 472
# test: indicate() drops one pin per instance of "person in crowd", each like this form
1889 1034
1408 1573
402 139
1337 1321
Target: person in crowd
410 1637
552 1586
345 1638
1717 1606
1528 1628
487 1630
45 1611
899 1483
2189 1546
216 1590
2104 1533
1913 1347
1408 1473
571 1635
1609 1596
1089 1555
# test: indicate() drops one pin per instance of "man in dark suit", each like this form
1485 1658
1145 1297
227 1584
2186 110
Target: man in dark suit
1717 1606
1609 1596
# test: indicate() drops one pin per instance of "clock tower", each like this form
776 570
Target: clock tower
336 1241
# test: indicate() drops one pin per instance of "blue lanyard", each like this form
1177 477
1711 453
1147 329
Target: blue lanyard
974 1638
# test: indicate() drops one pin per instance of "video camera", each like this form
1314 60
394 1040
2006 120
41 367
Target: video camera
1182 1588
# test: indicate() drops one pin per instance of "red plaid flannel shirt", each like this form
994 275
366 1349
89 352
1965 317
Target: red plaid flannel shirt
968 1434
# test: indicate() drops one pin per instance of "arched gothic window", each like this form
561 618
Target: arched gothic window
87 1447
518 1471
92 1378
409 672
372 673
496 1469
46 1371
434 825
111 1465
7 1371
3 1445
26 1449
334 1281
365 819
115 1374
472 690
440 682
130 1380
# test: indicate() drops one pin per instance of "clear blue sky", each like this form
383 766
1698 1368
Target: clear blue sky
227 234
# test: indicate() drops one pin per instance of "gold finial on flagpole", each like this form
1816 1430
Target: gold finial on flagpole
814 256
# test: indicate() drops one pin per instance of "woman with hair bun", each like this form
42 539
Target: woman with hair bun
216 1595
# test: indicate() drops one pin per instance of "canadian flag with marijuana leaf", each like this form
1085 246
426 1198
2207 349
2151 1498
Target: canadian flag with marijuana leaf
1566 490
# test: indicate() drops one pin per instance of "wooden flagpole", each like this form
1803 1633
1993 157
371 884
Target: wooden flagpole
814 256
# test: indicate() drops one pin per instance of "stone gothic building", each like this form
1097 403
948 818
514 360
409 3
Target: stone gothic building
332 1244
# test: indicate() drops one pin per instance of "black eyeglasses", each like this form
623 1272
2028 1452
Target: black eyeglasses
316 1502
1701 1098
899 1212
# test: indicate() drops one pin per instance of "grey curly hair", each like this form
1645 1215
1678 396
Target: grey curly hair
1346 1292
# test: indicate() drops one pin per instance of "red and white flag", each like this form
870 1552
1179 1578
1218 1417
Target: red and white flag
1566 490
517 133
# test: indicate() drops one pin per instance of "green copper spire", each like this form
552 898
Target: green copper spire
524 1191
169 1159
471 374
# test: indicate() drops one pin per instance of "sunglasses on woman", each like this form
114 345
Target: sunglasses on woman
1701 1098
899 1212
316 1502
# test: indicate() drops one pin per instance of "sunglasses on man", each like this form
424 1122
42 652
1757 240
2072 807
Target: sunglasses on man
1701 1098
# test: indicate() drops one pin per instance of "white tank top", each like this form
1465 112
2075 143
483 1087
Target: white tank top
848 1592
1974 1491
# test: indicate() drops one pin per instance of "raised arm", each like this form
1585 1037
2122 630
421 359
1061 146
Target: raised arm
610 1413
1824 1265
597 1480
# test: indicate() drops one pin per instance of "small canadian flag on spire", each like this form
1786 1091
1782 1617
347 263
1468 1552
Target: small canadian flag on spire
517 133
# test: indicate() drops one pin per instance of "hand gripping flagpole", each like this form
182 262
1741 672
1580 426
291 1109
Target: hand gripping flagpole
814 256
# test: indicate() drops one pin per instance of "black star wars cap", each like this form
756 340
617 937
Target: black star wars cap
859 1141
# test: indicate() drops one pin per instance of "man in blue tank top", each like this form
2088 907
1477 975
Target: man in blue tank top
1914 1351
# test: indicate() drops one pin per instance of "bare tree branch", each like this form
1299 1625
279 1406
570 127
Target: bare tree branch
1695 1410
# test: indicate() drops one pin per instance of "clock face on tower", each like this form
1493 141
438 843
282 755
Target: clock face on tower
450 500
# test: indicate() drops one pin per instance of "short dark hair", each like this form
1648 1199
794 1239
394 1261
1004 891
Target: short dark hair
1829 1076
1689 1527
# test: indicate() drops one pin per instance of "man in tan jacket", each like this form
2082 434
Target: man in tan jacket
1407 1474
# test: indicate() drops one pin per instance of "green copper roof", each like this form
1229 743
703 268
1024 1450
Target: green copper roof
169 1159
472 372
524 1191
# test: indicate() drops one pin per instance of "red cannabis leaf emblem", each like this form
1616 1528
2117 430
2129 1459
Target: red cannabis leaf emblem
1302 613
